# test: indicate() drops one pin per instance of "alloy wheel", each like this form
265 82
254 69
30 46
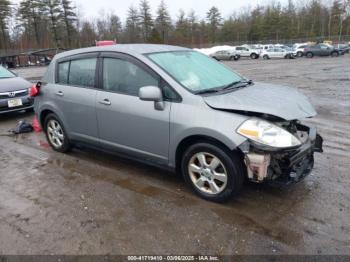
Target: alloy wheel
55 133
207 173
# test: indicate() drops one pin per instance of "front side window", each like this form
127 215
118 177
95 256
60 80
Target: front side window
4 73
195 71
82 72
125 77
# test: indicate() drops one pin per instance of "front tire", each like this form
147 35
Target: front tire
335 54
266 57
300 54
56 134
213 172
254 56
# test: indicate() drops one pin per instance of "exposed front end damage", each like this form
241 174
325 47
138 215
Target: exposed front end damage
283 166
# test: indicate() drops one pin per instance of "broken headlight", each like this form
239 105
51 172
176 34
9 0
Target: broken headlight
266 133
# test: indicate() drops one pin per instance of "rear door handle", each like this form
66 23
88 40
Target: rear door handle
105 102
59 93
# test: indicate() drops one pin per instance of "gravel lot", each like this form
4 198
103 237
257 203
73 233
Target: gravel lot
88 202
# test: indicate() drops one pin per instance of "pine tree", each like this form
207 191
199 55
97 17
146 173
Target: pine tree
54 12
163 21
132 29
5 14
255 31
193 25
115 27
146 21
214 18
87 34
32 19
182 28
69 18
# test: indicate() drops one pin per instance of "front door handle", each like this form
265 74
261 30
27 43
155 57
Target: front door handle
59 93
105 102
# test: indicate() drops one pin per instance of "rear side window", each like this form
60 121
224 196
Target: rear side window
63 71
125 77
82 72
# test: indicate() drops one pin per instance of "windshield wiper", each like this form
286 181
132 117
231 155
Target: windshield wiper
207 91
235 83
218 89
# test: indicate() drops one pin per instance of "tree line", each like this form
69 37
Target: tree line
57 23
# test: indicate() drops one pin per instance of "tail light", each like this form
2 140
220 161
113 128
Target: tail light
35 90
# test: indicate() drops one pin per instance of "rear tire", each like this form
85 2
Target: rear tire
213 172
56 134
309 55
266 57
300 54
234 58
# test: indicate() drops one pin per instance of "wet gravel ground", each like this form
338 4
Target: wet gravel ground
87 202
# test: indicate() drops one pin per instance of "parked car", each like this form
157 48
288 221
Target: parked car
299 51
320 50
14 92
344 48
277 53
265 47
178 108
225 55
247 52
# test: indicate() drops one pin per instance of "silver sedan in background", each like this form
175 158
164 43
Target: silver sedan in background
225 55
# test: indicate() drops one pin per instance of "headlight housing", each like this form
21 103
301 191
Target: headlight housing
266 133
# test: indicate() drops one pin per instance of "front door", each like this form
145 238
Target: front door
126 123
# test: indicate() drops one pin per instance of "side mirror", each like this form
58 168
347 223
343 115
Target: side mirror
152 93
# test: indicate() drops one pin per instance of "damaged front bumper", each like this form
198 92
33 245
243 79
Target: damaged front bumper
282 166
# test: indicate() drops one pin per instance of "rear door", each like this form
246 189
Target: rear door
325 50
225 55
280 52
75 93
126 123
272 52
220 55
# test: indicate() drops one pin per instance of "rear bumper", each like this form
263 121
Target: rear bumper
283 166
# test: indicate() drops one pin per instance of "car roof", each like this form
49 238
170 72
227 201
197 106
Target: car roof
132 49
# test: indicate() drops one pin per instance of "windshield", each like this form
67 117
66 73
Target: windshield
5 73
195 71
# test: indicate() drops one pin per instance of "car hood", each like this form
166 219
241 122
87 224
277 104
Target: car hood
13 84
275 100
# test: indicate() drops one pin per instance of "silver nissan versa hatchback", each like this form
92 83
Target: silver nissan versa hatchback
174 107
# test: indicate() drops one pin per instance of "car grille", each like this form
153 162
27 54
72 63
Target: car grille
13 94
